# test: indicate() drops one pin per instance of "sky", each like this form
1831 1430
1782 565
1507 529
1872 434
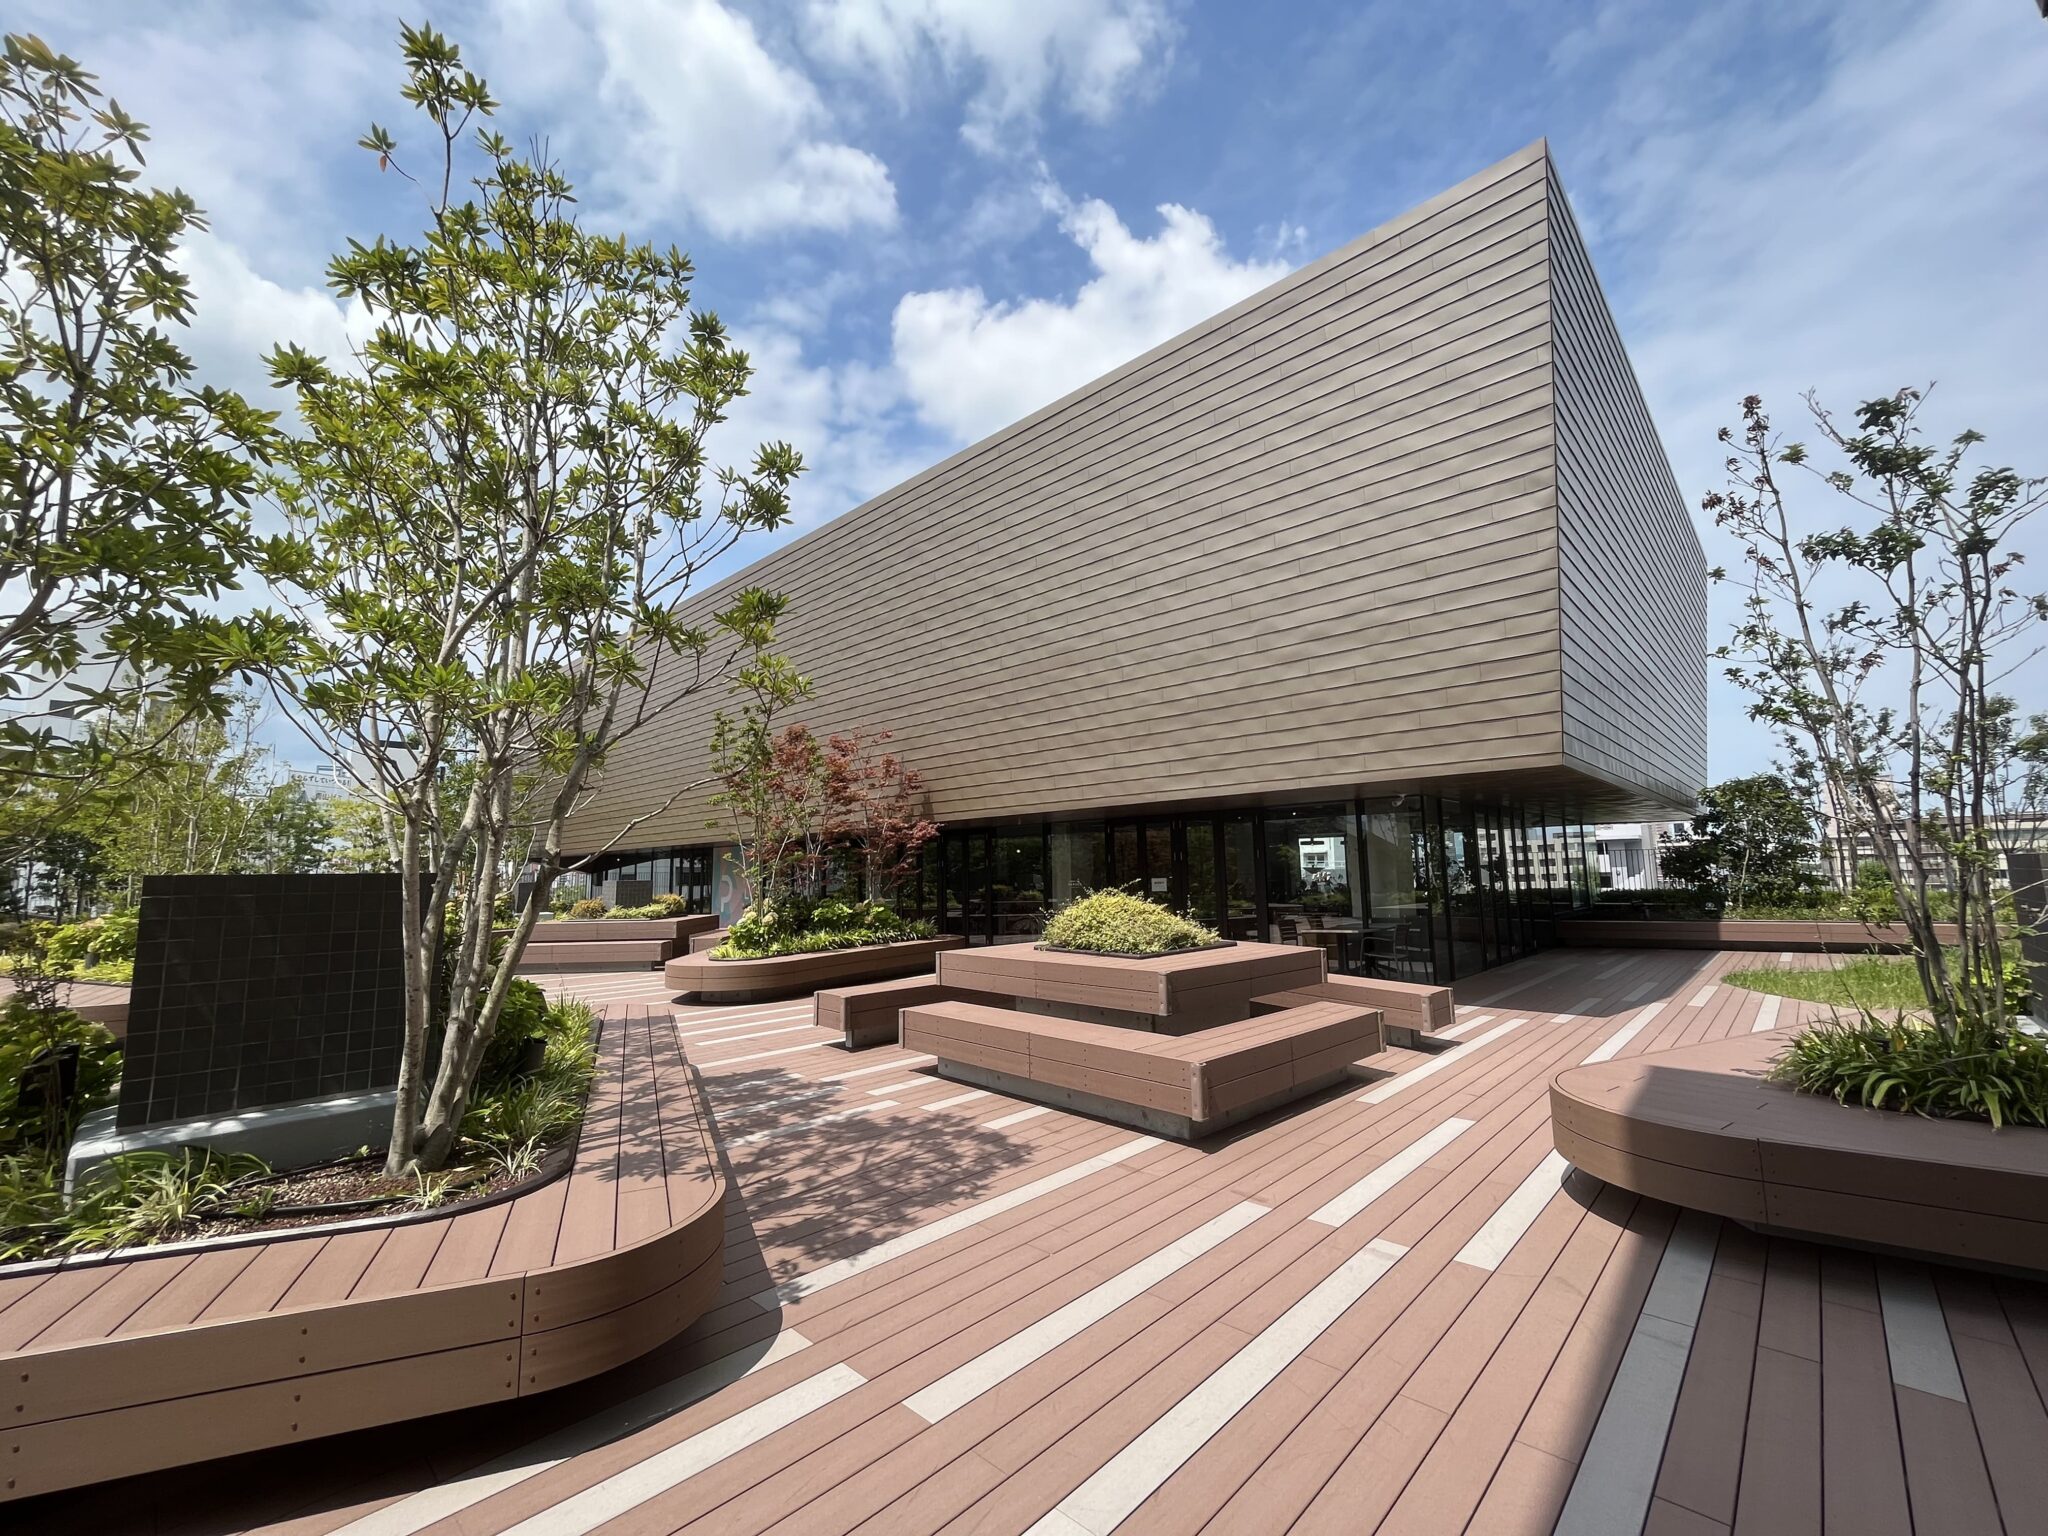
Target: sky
926 218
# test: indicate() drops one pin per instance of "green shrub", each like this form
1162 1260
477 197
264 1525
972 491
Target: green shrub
94 948
31 1205
652 909
799 928
26 1032
508 1113
1118 922
561 900
672 905
1910 1066
589 906
525 1015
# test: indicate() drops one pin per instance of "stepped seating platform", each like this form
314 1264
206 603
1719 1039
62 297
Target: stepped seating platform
1410 1008
867 1016
1186 1086
116 1365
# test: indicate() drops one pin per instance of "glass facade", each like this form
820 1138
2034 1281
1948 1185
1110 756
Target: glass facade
1412 887
684 872
1408 887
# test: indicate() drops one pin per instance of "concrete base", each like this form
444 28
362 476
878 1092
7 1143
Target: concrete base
283 1135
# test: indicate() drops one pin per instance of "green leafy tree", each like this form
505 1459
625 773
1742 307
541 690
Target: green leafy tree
124 488
211 800
1875 631
766 780
495 506
1751 844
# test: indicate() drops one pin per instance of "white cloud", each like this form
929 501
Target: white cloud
846 420
1870 224
242 315
701 115
972 365
1089 56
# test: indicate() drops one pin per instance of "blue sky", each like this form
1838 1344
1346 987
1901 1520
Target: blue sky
928 217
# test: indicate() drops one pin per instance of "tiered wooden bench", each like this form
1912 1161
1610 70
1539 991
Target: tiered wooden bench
745 981
611 943
1411 1008
1185 1086
132 1364
867 1015
1700 1127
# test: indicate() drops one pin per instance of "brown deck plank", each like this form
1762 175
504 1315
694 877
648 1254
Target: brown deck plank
128 1288
1863 1477
1436 1396
194 1289
1946 1479
1781 1458
49 1302
590 1203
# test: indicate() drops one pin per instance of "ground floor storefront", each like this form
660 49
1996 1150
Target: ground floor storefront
1417 887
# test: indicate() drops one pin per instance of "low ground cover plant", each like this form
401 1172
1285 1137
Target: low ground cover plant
794 926
522 1109
1909 1065
1118 922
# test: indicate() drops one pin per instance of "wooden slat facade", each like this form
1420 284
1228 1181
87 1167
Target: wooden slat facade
1353 532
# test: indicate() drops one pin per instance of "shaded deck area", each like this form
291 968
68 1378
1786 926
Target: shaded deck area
1388 1308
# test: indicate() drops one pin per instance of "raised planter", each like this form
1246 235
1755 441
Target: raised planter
383 1323
1701 1127
1801 934
619 930
1171 994
743 981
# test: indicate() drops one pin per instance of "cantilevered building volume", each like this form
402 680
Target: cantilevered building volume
1335 619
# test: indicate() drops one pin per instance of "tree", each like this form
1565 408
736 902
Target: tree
210 800
495 505
1752 841
876 810
758 769
124 490
1880 642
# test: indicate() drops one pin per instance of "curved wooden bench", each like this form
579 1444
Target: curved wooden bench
128 1364
1700 1127
1186 1086
743 981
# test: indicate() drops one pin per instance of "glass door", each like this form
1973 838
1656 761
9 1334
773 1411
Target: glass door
964 899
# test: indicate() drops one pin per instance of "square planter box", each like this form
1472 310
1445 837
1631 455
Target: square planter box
1169 994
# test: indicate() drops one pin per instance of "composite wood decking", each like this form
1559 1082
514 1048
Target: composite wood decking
1388 1308
112 1365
